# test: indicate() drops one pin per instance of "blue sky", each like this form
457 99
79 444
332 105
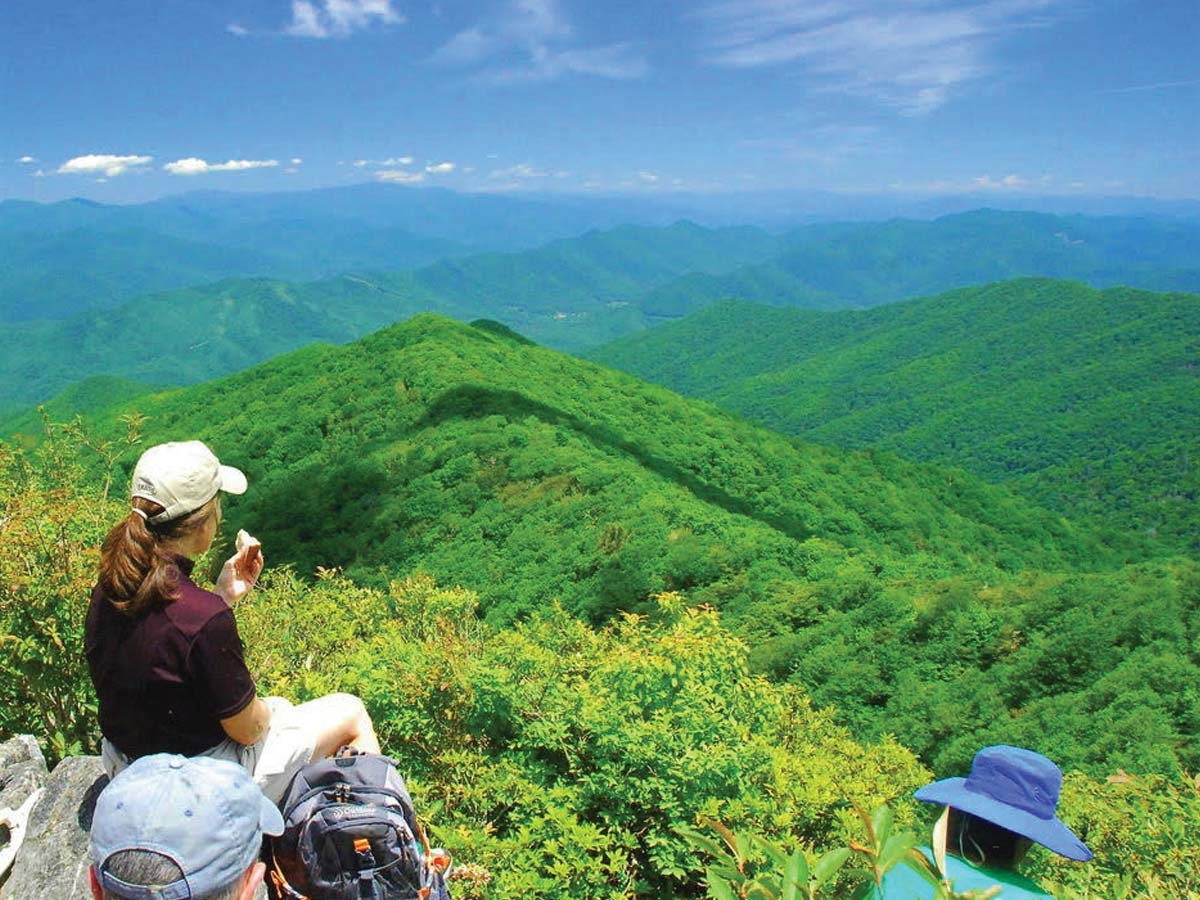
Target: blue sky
125 100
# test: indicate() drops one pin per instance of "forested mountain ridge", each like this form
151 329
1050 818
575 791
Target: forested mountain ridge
888 589
1084 400
472 414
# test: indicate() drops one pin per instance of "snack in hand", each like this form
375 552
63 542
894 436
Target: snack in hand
248 547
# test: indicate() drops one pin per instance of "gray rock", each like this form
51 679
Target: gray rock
22 770
53 863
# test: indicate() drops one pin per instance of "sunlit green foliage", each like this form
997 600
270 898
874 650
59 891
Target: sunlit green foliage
1143 831
52 520
560 758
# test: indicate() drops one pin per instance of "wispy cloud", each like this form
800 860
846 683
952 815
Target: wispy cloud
390 162
338 18
193 166
532 40
1159 86
912 55
521 171
27 160
1011 183
825 144
399 176
405 176
103 163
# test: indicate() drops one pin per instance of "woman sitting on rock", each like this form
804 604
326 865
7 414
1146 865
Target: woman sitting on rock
165 655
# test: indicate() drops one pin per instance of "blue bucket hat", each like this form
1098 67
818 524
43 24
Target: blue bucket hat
205 815
1016 789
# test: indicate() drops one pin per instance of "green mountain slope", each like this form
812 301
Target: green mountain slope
868 264
568 293
891 589
379 437
1084 400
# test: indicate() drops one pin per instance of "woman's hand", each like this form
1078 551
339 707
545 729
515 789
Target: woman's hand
240 572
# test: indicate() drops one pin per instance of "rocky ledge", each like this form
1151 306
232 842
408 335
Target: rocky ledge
45 819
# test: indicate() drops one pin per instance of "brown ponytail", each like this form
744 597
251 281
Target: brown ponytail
137 568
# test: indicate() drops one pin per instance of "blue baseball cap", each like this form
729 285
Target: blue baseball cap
205 815
1016 789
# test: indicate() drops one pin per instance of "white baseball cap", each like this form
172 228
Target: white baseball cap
181 477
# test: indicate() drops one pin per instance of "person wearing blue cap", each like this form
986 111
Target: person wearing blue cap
176 828
1007 803
165 655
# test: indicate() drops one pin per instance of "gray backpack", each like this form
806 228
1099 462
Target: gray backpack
350 833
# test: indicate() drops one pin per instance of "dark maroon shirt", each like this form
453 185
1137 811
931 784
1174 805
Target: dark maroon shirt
166 678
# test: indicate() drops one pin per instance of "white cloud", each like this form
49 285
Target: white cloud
105 163
913 56
193 166
338 18
519 171
441 168
648 177
389 163
533 41
1012 183
1007 183
27 160
398 176
296 160
237 30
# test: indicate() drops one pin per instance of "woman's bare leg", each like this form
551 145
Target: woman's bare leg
337 720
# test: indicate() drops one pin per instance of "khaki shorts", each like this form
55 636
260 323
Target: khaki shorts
273 760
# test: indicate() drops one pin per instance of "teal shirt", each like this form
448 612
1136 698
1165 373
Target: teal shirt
902 883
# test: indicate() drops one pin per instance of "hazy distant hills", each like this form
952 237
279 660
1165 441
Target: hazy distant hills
572 293
62 258
868 264
1085 400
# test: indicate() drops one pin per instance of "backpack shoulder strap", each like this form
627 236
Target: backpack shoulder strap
282 888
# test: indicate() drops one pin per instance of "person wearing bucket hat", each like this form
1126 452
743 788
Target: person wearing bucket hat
173 828
1007 802
164 654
